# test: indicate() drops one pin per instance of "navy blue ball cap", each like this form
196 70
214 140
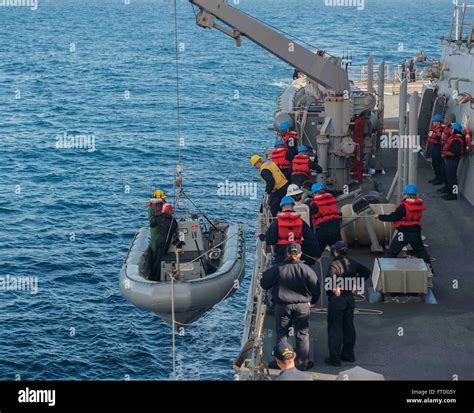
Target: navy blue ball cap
283 351
293 249
340 246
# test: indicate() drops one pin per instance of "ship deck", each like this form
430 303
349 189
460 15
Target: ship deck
438 340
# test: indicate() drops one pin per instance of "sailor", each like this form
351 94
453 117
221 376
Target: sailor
407 220
307 195
453 150
405 69
289 137
281 157
434 138
342 280
325 216
302 166
447 129
413 69
166 226
285 360
154 207
295 289
290 228
275 181
297 194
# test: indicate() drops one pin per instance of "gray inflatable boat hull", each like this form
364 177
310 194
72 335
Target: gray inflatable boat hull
191 298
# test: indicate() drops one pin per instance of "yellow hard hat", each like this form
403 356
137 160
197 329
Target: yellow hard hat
254 159
159 194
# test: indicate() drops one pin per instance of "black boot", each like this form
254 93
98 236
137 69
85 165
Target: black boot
334 363
438 182
305 366
432 180
450 197
443 190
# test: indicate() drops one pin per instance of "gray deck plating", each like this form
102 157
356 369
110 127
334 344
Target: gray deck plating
438 340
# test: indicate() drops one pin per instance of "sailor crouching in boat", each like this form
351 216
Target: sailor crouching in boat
288 228
294 288
166 226
275 182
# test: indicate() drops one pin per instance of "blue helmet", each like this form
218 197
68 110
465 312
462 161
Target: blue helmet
285 125
302 149
457 127
278 142
437 118
410 189
318 187
287 200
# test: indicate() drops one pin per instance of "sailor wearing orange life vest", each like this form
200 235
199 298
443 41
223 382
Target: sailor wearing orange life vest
289 138
325 216
407 220
434 138
302 166
275 182
288 228
281 157
453 150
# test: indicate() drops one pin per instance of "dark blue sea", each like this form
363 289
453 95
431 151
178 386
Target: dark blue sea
105 70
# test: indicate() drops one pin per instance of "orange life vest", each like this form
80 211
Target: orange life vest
301 166
327 209
468 140
290 228
414 210
290 139
157 205
447 151
446 134
434 136
279 158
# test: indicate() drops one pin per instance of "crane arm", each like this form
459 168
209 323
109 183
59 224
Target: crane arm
324 72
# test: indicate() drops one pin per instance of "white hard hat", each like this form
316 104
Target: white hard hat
294 190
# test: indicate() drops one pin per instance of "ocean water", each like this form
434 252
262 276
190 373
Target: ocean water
105 69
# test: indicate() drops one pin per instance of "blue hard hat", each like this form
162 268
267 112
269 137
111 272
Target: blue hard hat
278 142
285 125
303 148
457 127
410 189
287 200
437 118
317 187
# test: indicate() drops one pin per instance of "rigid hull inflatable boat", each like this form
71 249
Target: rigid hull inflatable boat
202 269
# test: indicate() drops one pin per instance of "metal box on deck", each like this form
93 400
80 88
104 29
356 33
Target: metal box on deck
401 275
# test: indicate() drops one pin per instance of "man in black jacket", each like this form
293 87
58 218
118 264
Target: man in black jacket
342 280
295 289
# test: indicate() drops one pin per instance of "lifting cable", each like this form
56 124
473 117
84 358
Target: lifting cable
179 170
